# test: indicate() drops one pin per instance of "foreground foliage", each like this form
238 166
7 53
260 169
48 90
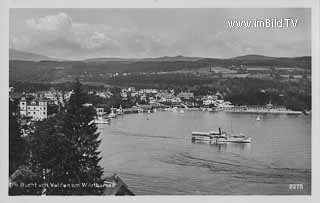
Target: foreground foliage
64 155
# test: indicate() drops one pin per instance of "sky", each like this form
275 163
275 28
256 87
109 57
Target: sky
143 33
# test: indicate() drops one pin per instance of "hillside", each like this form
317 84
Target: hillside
253 57
26 56
258 60
60 71
164 58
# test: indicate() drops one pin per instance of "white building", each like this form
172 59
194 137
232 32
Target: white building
100 112
209 100
186 95
35 109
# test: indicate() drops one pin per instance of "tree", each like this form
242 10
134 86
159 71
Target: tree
50 150
17 145
81 132
64 149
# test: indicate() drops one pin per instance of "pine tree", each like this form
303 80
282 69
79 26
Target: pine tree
83 166
17 146
50 149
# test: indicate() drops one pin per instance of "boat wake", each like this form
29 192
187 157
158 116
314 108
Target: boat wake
124 133
255 171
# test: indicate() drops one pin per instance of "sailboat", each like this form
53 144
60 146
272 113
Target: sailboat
258 118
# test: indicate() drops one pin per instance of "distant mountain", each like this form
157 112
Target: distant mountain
26 56
95 69
173 58
253 57
158 59
104 59
260 60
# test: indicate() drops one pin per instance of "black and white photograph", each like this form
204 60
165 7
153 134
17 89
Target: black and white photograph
160 101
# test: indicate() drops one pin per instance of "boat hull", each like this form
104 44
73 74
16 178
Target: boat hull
245 140
212 137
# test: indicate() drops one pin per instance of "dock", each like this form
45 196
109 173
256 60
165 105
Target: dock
260 109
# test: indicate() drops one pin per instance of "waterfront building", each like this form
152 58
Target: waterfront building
186 95
100 112
35 109
143 97
124 95
53 97
209 100
133 94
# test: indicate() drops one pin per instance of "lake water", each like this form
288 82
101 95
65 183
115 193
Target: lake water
154 154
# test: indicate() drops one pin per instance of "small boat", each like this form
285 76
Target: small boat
258 118
181 111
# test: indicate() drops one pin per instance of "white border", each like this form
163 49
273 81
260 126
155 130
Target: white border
4 74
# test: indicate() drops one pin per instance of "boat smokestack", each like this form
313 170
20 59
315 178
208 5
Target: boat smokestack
220 131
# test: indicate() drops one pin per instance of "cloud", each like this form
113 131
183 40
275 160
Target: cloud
59 35
152 35
52 23
21 42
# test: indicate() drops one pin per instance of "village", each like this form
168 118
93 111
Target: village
38 106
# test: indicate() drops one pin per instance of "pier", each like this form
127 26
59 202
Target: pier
260 109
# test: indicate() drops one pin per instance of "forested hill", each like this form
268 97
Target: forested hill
258 60
159 59
27 56
48 70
